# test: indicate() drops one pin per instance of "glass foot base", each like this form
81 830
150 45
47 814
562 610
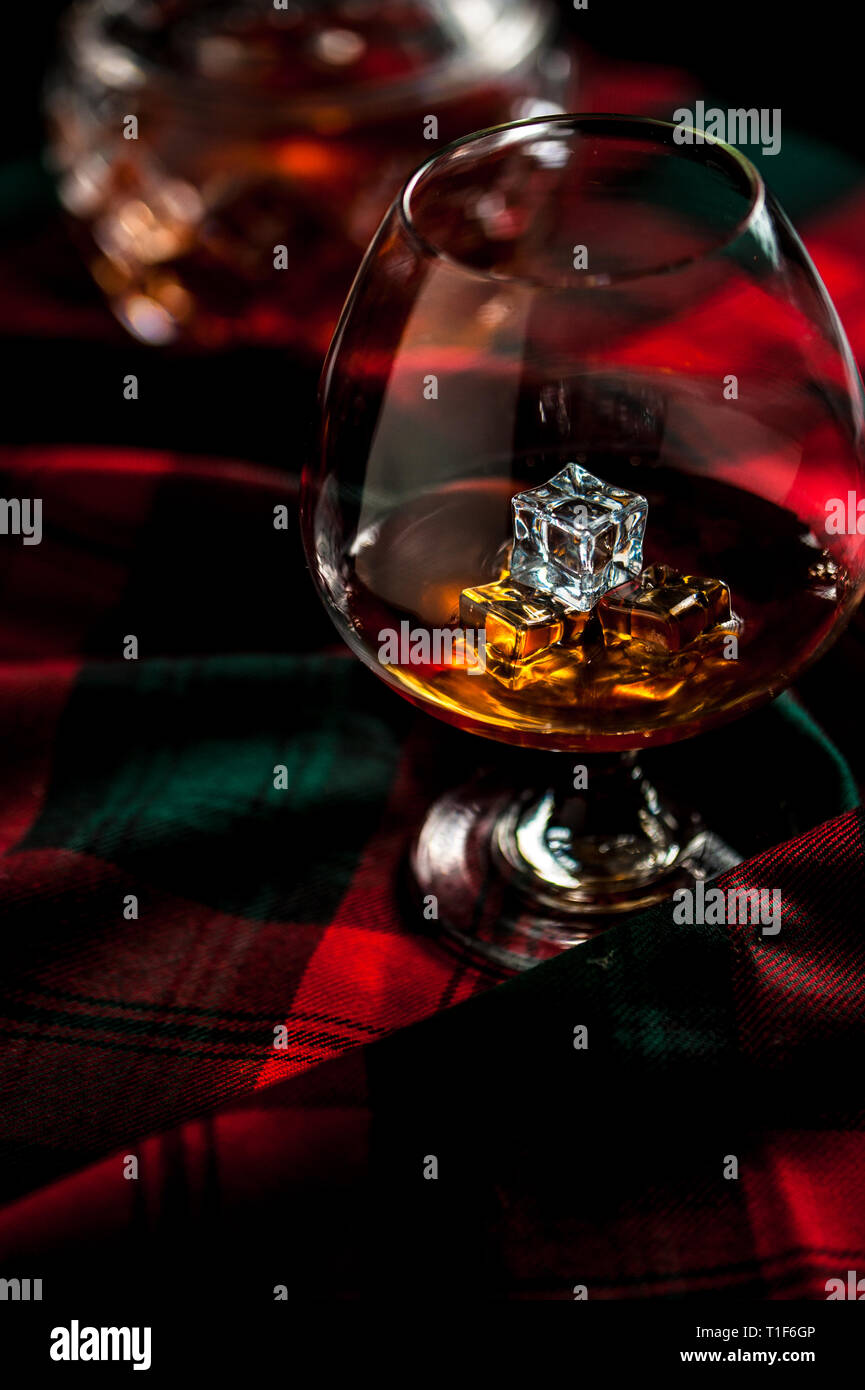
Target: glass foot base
516 880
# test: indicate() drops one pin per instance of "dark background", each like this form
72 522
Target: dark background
254 404
805 59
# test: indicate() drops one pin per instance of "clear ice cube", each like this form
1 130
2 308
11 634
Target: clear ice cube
575 537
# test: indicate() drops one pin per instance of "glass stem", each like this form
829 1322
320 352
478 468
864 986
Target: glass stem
603 836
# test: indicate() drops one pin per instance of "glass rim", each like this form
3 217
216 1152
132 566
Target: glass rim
739 162
118 67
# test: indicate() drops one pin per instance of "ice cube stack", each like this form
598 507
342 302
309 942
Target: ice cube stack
577 554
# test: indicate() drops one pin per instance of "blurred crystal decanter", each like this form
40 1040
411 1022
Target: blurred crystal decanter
227 161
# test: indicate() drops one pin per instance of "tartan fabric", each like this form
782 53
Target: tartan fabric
260 907
558 1167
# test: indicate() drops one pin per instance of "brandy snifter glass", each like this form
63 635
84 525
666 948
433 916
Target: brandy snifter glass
583 424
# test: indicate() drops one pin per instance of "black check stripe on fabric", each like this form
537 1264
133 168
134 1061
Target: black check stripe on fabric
210 572
645 1115
161 765
498 1092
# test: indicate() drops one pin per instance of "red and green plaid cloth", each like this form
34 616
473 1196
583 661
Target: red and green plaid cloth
153 1036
